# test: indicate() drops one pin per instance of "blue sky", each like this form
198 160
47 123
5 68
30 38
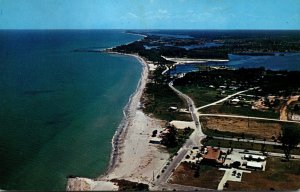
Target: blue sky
149 14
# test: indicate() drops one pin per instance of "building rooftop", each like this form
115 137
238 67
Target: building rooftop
212 153
254 164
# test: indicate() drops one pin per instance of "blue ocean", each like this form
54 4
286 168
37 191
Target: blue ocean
60 104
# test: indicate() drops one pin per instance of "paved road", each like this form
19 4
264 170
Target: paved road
224 99
192 109
167 69
194 140
247 117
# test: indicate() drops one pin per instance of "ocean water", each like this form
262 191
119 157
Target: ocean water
60 108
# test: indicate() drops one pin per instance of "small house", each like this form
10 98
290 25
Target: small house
155 140
235 101
254 157
173 108
212 155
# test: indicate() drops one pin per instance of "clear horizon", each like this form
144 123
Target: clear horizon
151 14
167 29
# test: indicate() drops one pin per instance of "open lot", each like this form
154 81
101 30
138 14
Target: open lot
239 110
250 128
278 176
209 177
248 145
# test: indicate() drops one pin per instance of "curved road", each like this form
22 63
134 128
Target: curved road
224 99
195 137
194 140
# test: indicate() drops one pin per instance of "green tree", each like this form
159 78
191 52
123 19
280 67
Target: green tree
170 138
290 138
296 107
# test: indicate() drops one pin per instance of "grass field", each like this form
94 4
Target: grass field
158 98
201 95
238 110
278 176
209 177
227 126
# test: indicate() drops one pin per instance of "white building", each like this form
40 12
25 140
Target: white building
254 157
254 165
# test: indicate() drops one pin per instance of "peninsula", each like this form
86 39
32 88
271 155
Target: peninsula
210 126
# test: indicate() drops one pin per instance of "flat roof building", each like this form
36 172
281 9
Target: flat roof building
254 157
254 165
212 154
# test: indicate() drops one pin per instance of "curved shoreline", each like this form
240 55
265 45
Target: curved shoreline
128 114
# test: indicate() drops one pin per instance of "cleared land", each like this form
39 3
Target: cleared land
239 110
259 129
248 145
209 177
278 176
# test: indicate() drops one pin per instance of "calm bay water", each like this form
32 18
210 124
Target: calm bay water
289 62
59 108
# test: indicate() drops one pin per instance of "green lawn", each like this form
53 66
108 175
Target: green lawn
159 97
202 95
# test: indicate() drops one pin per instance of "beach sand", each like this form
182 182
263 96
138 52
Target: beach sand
133 157
192 60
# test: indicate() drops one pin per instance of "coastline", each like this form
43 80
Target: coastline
132 157
128 113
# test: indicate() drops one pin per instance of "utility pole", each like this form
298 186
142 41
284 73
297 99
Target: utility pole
153 175
248 121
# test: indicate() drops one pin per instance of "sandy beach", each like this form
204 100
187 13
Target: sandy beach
133 157
191 60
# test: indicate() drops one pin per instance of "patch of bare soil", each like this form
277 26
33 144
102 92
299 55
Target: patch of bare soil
209 177
258 128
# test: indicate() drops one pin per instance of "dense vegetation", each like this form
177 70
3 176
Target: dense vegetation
237 42
125 185
290 138
281 83
158 97
175 138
